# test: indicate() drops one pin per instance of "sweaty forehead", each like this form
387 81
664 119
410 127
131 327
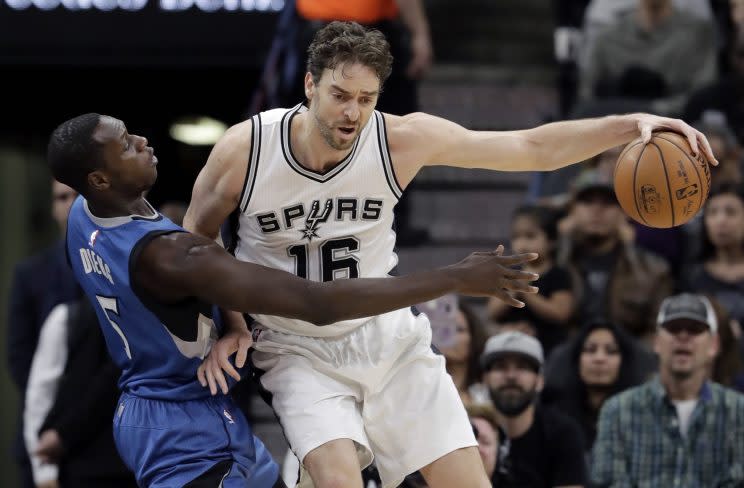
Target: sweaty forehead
109 129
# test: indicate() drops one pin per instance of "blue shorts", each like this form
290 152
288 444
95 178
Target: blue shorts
170 444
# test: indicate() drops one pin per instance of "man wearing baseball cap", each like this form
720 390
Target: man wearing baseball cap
680 428
541 447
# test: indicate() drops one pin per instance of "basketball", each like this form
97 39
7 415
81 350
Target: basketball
661 184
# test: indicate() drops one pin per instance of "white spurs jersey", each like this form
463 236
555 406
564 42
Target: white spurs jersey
320 226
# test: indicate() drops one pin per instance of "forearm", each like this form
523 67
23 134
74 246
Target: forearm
564 143
413 16
349 299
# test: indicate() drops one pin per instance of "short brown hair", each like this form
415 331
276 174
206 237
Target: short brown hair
349 42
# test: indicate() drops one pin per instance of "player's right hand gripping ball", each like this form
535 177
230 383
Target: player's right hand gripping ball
661 184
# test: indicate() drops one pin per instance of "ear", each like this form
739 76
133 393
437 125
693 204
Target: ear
540 383
715 346
657 339
97 180
309 86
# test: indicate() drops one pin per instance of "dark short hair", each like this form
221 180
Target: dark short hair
72 153
349 42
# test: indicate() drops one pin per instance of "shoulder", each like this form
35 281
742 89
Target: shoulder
651 261
559 425
727 397
236 139
628 400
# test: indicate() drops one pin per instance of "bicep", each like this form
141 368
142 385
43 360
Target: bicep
218 187
425 140
176 266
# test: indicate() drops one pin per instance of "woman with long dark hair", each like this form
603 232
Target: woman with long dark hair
600 366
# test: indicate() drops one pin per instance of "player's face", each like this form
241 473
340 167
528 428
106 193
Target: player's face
685 347
130 164
724 220
527 236
599 362
342 102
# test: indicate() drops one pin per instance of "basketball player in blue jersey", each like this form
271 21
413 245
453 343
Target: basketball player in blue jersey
153 285
310 190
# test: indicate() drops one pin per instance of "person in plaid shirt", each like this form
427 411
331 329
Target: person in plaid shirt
679 429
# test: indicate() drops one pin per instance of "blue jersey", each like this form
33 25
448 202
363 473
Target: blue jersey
168 429
157 346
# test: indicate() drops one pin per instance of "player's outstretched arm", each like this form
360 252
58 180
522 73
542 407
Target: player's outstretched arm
178 265
420 139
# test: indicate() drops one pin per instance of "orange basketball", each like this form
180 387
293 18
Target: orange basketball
661 184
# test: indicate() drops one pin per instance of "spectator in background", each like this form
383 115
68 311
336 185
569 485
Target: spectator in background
459 335
486 429
728 367
725 96
679 429
653 57
616 280
534 229
31 300
720 269
541 447
71 397
725 146
598 365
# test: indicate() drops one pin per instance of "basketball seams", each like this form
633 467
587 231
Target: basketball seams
633 188
697 172
666 177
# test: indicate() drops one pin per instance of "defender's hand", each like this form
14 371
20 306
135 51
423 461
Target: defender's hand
210 371
490 274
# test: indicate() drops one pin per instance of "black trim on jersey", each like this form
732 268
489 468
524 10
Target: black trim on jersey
289 157
253 159
213 477
229 231
180 317
387 162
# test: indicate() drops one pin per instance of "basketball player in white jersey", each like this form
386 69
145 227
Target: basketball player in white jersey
311 190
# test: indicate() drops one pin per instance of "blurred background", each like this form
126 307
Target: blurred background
180 71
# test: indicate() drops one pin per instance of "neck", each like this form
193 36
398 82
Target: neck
682 388
599 245
729 254
517 426
651 16
309 146
119 207
596 398
459 372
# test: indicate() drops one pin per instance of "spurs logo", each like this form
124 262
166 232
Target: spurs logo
315 217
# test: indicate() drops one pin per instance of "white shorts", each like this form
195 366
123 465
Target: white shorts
380 385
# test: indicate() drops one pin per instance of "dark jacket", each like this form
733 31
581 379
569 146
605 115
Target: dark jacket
638 282
39 284
85 404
